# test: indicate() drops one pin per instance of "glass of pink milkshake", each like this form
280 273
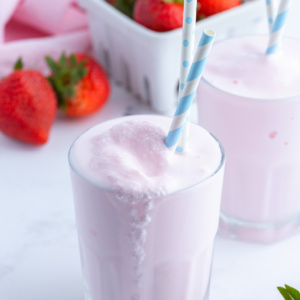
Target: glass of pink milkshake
146 218
251 102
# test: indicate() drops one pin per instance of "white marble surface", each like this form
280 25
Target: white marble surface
39 256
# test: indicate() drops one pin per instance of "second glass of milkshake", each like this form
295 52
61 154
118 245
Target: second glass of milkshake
251 102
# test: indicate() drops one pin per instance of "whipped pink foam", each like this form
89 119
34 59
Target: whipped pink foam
131 157
240 66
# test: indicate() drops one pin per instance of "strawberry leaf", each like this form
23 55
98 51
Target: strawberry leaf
67 72
62 60
125 6
52 65
72 61
18 65
174 1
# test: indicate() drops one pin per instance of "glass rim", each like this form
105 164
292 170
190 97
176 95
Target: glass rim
109 190
244 97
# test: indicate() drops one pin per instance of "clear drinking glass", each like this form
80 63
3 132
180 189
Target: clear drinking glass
261 137
176 234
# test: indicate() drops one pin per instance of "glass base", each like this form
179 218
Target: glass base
87 295
258 232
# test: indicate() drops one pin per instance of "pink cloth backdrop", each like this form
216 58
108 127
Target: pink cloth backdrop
35 28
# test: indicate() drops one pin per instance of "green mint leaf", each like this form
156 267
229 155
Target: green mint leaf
293 292
289 293
284 293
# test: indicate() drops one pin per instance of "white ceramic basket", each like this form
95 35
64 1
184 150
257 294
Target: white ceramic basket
147 62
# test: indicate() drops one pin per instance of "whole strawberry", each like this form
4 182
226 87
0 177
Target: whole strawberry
27 106
159 15
81 85
207 8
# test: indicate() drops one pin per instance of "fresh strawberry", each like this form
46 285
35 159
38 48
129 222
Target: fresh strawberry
80 83
159 15
207 8
27 106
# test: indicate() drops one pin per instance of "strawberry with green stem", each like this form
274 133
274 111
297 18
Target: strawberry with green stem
81 85
159 15
27 106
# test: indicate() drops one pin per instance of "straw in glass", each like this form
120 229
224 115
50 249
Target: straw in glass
189 89
271 5
278 26
187 47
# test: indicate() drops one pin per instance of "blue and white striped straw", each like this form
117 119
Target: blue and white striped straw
188 39
190 88
278 26
271 5
187 48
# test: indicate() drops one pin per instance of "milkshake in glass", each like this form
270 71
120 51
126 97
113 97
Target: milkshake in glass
146 218
251 102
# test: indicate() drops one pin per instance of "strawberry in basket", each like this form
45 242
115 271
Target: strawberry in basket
27 106
208 8
159 15
81 85
165 15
